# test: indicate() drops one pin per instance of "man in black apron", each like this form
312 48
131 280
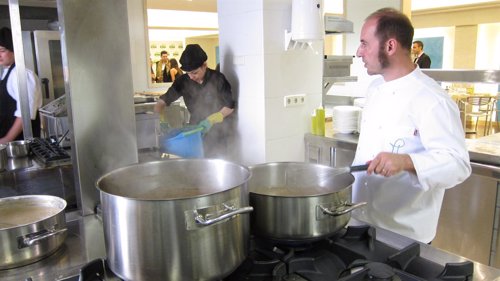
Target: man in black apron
208 98
11 122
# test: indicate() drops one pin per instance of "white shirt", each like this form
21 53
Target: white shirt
411 115
34 88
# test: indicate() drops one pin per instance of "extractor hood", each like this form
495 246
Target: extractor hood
336 24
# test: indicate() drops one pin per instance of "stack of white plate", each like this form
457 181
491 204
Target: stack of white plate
345 119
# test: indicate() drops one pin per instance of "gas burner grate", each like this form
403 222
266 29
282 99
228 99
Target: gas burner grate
353 254
47 151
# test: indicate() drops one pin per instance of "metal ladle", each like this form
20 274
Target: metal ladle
62 138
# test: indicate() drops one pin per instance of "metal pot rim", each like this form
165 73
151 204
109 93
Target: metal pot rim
103 190
326 192
60 203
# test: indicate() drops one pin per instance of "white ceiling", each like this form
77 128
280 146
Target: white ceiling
211 5
429 4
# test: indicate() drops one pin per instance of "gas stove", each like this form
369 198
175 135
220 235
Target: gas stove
353 254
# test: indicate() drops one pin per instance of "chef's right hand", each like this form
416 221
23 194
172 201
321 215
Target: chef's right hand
389 164
212 119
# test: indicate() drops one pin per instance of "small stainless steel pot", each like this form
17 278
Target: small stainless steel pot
20 148
3 157
179 219
31 228
299 201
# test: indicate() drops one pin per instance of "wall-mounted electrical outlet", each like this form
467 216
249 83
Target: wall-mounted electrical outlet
294 100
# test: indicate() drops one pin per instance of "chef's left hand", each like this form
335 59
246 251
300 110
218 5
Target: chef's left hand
389 164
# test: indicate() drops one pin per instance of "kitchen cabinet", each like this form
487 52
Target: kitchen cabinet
335 152
467 221
146 130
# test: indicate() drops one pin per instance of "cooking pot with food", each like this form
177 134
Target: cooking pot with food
31 228
181 219
296 201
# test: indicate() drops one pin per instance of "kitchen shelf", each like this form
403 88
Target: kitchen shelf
464 75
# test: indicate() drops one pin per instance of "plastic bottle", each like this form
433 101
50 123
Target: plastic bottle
320 121
314 124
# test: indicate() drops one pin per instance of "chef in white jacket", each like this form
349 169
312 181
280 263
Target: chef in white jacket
411 135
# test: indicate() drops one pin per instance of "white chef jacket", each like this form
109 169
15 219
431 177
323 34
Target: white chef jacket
34 88
411 115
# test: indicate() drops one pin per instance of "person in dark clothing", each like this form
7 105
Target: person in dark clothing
421 58
163 69
208 98
11 121
175 71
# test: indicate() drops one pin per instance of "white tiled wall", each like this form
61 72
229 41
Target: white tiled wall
253 57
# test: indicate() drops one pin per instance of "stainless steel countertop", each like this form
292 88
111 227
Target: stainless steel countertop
85 242
484 150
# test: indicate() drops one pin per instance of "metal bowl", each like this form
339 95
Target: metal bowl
3 157
18 148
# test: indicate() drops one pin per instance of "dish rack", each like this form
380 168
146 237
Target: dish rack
54 121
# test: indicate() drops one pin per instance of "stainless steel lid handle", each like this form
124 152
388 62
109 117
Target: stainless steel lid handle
201 220
31 239
342 209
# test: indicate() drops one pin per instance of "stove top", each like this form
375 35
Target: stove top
353 254
48 151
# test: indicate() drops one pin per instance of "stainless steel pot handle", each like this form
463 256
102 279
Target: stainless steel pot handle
30 239
342 209
233 211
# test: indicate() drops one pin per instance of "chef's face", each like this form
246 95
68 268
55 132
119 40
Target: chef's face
371 50
198 74
6 57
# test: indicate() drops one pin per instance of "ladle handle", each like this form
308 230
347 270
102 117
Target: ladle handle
358 168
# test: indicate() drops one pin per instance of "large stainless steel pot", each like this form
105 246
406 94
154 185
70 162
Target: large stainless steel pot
175 220
299 201
31 228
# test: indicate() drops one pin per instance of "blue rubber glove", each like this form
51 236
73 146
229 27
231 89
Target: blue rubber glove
206 125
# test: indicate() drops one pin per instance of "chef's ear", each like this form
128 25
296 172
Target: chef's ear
390 45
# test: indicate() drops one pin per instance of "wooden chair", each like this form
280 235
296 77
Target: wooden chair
477 107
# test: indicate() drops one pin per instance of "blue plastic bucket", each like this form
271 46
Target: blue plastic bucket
185 142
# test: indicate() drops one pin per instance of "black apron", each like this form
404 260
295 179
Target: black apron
8 107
